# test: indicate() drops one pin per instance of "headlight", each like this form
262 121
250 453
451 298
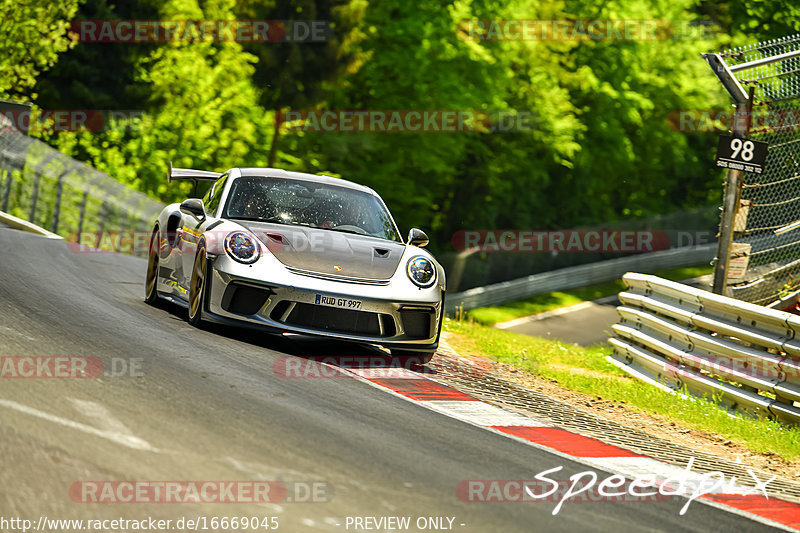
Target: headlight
421 271
242 247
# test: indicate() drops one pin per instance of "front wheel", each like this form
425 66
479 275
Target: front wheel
151 281
197 288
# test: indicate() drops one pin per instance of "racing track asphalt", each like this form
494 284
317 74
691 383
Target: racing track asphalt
588 325
210 407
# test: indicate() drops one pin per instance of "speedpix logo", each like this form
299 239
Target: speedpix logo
588 486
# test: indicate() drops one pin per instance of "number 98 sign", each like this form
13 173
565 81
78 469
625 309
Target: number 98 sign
741 154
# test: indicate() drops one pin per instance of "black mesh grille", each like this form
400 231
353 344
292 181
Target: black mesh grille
416 323
338 320
243 299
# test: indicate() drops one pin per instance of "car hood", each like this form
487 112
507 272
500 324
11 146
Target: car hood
329 252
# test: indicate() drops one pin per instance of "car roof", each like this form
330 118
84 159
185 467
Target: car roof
280 173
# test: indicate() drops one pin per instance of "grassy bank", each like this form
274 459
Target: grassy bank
540 303
587 371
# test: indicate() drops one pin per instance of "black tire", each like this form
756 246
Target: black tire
197 287
411 359
151 278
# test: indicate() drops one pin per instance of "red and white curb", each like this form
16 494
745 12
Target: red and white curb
592 452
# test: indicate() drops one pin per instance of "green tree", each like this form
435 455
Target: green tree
632 163
32 33
300 75
202 111
100 75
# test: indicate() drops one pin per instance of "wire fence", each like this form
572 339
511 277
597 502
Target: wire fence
770 200
65 196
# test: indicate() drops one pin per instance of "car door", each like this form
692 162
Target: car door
192 230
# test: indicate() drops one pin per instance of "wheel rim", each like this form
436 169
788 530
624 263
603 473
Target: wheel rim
152 266
198 281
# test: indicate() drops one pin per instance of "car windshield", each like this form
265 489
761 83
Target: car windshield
306 203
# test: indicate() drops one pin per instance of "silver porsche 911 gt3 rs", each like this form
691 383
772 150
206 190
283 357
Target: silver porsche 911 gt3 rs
300 253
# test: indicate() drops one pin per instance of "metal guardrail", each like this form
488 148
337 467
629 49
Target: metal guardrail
578 276
677 337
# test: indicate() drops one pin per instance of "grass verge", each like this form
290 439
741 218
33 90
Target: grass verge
540 303
586 370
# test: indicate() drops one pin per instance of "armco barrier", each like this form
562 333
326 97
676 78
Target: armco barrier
578 276
65 196
677 337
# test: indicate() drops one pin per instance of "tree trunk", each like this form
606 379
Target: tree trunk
273 149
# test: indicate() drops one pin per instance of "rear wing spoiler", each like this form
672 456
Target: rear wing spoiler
175 174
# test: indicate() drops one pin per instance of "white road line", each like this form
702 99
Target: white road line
128 440
101 416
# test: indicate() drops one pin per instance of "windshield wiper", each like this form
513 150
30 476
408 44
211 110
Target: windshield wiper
362 232
273 220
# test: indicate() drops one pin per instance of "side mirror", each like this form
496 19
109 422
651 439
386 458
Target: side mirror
194 207
417 237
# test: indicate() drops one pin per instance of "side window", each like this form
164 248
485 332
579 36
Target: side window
211 201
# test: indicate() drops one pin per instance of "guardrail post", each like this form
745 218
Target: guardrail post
35 197
101 222
59 191
6 190
731 200
83 212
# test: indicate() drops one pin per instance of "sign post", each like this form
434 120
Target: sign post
731 149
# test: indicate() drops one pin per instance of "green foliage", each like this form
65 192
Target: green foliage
32 34
599 146
81 80
202 111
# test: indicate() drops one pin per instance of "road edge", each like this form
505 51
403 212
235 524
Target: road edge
24 225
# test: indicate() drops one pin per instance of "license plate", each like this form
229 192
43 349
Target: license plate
333 301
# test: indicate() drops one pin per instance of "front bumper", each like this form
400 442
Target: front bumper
392 314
